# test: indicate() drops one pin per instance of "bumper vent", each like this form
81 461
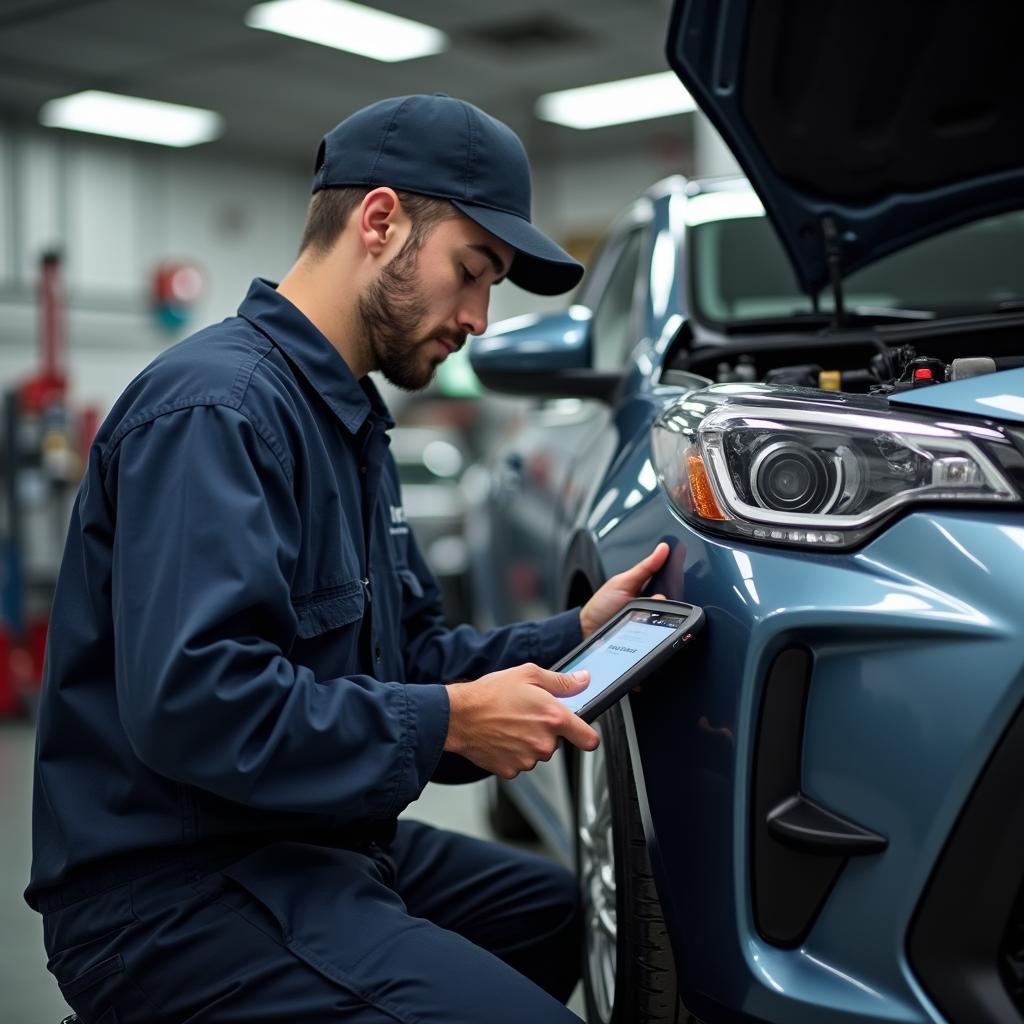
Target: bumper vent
1011 954
799 848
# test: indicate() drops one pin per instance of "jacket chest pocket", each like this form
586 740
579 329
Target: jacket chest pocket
330 608
329 623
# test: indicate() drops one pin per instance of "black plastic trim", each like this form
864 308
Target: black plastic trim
799 848
960 937
805 824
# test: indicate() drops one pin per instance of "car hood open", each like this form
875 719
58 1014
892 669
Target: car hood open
888 122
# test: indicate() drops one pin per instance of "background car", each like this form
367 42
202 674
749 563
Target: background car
815 815
430 461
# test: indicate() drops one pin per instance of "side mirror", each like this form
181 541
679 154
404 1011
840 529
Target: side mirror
542 356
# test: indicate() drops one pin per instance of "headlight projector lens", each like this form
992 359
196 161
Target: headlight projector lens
790 477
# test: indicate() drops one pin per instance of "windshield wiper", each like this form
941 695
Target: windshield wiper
890 313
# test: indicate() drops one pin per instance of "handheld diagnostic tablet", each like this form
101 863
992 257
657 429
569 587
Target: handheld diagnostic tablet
625 650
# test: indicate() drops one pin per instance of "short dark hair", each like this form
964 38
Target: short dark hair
330 209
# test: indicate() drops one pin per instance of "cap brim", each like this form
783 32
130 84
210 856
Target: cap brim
540 266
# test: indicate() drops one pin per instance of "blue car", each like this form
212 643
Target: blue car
810 383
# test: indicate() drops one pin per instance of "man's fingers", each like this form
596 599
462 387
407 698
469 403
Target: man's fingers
657 558
579 734
563 684
647 567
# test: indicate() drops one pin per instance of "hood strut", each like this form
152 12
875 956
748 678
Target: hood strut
833 255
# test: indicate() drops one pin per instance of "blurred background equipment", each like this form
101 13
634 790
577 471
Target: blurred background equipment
177 287
44 443
441 445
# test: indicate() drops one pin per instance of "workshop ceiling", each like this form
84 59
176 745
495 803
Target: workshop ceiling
279 95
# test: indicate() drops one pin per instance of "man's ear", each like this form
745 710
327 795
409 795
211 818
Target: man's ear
380 220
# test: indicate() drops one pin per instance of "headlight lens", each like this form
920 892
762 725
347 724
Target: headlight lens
788 476
800 469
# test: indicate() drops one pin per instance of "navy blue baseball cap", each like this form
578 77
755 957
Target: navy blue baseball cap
444 147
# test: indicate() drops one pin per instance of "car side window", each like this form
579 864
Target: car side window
612 331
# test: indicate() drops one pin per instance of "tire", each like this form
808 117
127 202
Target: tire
629 974
505 819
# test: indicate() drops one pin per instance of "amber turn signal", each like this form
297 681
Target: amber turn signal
703 495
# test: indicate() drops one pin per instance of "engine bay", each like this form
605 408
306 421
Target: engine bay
877 361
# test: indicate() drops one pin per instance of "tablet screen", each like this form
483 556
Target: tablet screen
618 650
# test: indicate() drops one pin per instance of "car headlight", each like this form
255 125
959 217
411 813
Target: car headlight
801 468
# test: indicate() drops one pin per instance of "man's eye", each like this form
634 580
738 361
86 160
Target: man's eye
467 277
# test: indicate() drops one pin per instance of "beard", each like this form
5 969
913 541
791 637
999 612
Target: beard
392 312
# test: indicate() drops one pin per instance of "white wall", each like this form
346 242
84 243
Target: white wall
116 209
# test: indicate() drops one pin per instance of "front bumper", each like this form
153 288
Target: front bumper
917 668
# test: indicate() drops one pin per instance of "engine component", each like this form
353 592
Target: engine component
975 366
745 370
803 375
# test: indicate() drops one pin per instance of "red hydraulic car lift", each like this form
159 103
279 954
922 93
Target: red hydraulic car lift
41 467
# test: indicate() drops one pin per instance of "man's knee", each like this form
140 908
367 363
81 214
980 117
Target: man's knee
553 892
565 895
551 955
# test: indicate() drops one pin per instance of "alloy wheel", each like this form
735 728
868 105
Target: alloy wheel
597 872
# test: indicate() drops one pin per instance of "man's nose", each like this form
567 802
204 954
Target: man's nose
473 315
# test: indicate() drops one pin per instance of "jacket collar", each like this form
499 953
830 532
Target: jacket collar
351 400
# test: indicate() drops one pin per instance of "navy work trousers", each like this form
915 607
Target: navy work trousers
437 928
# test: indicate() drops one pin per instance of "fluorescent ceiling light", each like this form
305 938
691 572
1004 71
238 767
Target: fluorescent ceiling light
128 117
348 26
629 99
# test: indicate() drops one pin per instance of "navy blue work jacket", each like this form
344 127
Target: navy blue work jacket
245 640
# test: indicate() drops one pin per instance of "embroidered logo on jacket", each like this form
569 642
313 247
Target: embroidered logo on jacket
398 523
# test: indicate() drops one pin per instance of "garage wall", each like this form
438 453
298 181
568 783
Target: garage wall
116 209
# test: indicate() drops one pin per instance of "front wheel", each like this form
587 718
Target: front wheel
629 973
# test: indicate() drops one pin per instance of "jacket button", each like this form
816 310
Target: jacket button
362 469
377 651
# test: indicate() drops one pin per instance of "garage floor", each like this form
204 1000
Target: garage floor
28 994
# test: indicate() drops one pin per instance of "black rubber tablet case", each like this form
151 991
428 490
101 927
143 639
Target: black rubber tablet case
680 637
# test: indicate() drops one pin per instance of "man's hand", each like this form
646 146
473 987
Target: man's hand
620 590
507 721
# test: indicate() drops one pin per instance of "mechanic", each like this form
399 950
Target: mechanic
249 676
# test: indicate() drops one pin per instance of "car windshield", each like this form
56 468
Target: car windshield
740 272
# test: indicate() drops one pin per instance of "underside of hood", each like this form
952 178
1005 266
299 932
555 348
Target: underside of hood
863 125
